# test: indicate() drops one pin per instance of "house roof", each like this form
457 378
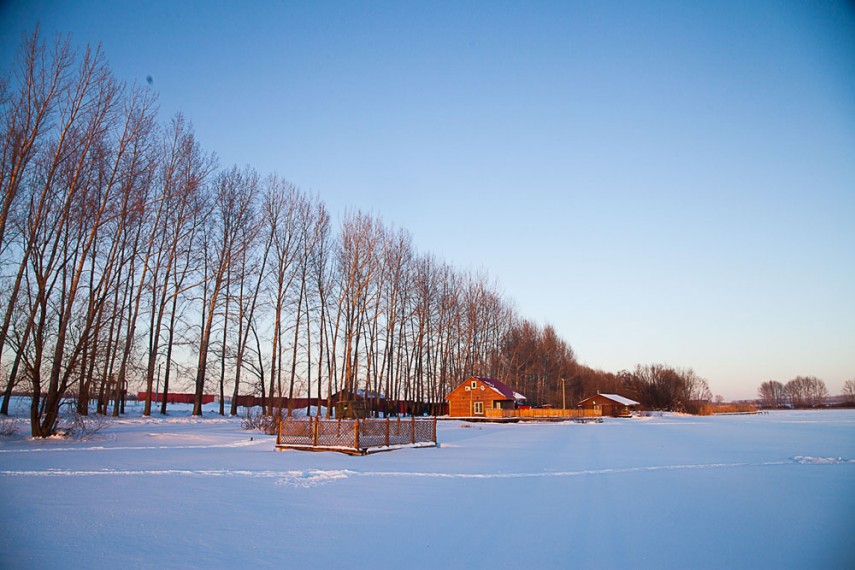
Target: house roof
501 388
615 398
360 393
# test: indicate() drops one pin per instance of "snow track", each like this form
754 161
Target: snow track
242 443
314 477
207 495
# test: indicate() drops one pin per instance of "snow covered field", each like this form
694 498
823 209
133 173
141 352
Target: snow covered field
765 491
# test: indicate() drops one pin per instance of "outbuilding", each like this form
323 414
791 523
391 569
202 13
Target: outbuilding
477 394
609 405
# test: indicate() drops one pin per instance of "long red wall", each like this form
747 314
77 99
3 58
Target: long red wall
177 398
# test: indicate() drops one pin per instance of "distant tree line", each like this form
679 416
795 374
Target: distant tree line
130 259
849 391
800 392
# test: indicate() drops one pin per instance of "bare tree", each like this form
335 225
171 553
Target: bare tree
323 278
134 170
181 177
33 91
250 273
282 218
82 176
184 268
318 267
772 394
358 258
304 226
399 255
39 83
234 194
661 387
806 391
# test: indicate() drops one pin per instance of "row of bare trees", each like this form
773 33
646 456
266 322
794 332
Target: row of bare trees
661 387
800 392
130 260
102 211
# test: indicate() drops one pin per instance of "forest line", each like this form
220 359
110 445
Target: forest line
130 259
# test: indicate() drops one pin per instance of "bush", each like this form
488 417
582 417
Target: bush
8 427
256 419
73 424
709 409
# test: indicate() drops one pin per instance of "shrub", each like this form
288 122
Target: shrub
256 419
8 427
73 424
709 409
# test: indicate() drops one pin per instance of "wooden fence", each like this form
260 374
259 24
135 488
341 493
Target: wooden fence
356 437
534 413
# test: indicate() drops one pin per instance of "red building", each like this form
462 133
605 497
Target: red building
176 398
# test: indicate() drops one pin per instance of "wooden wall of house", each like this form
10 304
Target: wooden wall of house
461 402
607 407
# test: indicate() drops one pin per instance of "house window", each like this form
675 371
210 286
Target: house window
479 407
474 385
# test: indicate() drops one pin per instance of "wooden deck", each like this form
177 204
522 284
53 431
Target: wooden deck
555 414
532 415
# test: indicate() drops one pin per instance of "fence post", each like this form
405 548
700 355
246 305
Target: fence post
413 430
314 424
356 434
387 432
434 429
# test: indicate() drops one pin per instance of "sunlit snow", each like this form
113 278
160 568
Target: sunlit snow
764 491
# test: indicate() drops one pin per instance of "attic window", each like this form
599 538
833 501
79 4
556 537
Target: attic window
474 385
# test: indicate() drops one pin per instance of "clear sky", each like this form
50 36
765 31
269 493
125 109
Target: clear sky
661 181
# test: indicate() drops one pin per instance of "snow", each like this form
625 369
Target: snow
620 399
670 491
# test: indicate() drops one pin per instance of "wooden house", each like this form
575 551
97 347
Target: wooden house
609 405
476 394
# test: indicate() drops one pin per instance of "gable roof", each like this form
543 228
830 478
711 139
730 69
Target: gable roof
615 398
501 388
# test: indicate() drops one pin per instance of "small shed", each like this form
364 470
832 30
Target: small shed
609 405
476 394
357 404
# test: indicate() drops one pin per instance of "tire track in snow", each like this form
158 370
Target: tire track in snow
314 477
241 443
263 474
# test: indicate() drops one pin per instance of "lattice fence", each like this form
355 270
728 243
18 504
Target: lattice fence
360 436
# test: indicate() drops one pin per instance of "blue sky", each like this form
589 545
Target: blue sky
661 181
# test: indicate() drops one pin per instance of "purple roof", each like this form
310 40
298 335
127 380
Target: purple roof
501 388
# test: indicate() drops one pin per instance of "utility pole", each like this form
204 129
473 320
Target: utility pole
563 398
